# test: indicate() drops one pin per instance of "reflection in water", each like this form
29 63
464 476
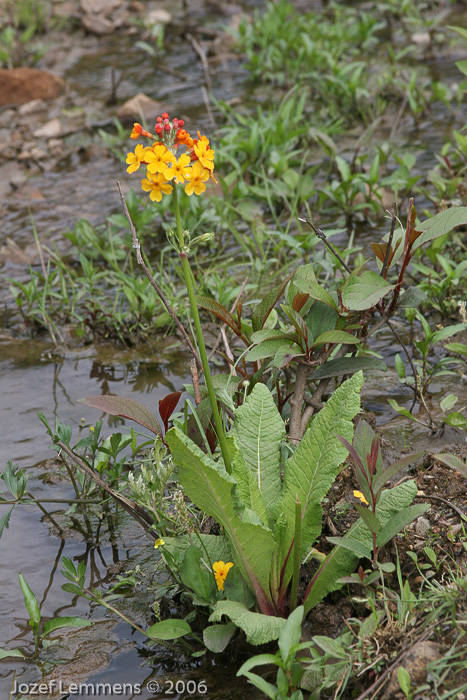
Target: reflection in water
53 387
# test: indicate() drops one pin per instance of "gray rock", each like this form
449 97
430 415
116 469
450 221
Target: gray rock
32 106
422 526
139 105
49 130
103 16
11 175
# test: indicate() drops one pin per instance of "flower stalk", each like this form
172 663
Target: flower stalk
191 170
199 335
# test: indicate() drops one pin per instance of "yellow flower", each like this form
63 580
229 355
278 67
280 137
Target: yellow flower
204 153
158 543
180 169
135 159
359 495
156 185
196 179
158 158
220 572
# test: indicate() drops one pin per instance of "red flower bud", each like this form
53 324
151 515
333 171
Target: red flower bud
165 115
159 120
167 127
181 123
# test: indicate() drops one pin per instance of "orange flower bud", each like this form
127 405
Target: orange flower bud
137 131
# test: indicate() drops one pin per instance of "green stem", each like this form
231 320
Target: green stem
90 595
296 555
199 335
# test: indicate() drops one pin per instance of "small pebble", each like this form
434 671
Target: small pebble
422 526
50 129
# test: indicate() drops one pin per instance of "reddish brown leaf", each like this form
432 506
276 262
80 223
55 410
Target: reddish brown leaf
267 303
167 406
219 311
299 301
125 408
413 235
379 249
239 308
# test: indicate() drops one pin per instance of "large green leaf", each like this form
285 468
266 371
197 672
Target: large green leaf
259 629
5 520
195 576
168 629
57 623
315 291
269 334
365 291
453 462
310 471
247 487
258 431
268 348
460 30
216 637
219 311
342 562
336 337
321 318
259 660
438 225
213 490
412 297
266 305
448 332
462 66
291 632
303 274
11 653
347 365
217 547
398 521
30 600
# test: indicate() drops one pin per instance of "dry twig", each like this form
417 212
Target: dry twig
131 507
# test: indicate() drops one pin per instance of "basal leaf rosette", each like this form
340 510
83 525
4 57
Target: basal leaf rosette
164 168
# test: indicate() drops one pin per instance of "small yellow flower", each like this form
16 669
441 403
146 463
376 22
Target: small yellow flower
180 169
135 159
158 157
220 572
360 496
204 153
158 543
196 179
156 185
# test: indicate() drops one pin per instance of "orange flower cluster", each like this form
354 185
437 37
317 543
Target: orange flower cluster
192 169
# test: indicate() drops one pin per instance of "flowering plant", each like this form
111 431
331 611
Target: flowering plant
192 169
